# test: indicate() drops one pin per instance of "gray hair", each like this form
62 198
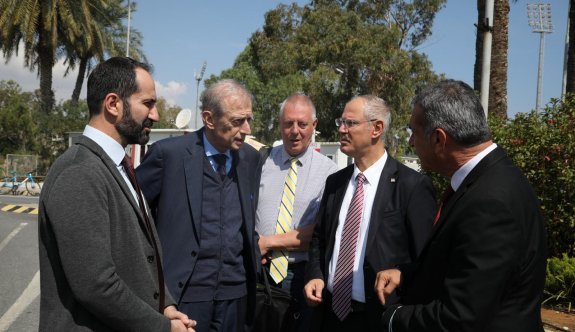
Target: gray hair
376 108
215 95
298 97
454 107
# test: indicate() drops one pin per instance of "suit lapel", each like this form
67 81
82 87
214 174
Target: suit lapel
243 178
113 169
339 194
193 171
383 196
482 167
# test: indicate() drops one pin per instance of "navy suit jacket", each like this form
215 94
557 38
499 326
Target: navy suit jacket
171 178
400 223
484 266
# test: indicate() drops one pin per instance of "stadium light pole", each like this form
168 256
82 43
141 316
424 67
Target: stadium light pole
199 77
539 16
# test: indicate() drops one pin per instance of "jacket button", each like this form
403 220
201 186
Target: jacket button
150 259
156 295
180 284
194 254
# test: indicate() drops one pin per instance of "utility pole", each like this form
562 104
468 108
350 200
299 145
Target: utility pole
198 79
539 16
486 65
128 34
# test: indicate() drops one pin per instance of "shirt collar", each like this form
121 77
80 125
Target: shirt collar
210 150
463 171
113 149
373 172
302 157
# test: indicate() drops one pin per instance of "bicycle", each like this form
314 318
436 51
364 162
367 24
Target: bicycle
32 187
10 184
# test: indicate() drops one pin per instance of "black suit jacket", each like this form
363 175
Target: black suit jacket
400 223
171 178
484 266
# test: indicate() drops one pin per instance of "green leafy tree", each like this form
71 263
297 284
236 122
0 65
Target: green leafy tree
334 50
18 126
167 114
542 144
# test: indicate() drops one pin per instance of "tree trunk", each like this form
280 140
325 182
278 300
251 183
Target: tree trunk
79 80
499 60
570 84
46 57
479 45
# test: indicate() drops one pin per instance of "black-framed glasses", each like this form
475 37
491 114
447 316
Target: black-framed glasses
350 123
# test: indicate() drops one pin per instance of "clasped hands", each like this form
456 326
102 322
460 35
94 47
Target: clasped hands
178 320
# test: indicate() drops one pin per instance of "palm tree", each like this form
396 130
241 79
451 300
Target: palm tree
497 104
109 39
43 27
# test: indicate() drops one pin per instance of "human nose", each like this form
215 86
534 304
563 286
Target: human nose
245 128
154 115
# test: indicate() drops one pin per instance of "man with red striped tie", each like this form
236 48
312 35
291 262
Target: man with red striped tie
374 214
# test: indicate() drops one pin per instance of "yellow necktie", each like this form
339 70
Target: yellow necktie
278 268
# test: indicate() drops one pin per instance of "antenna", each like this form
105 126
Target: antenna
183 118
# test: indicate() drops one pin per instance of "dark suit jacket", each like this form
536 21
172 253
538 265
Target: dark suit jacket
171 179
484 266
400 223
96 273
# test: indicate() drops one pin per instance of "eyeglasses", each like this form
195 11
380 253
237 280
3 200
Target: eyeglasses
349 123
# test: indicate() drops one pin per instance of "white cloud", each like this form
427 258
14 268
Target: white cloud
172 92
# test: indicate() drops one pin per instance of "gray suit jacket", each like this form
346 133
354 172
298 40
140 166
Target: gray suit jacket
97 264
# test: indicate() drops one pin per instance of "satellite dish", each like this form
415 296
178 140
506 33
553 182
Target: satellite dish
183 118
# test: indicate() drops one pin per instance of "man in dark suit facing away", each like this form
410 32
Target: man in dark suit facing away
201 188
374 214
483 268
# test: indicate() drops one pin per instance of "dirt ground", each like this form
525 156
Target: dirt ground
559 320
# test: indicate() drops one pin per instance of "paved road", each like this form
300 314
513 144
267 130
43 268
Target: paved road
19 276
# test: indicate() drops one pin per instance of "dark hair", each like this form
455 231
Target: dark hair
454 107
115 75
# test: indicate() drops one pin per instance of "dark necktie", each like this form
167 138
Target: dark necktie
129 168
220 160
446 196
343 279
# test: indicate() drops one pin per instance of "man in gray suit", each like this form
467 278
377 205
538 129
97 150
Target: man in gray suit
99 252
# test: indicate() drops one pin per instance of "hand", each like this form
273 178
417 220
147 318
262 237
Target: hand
263 244
312 292
179 320
386 282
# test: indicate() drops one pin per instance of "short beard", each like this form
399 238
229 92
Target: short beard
130 130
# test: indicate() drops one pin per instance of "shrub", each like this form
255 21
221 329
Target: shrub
560 281
542 145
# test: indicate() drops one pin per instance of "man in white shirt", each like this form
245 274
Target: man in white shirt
376 213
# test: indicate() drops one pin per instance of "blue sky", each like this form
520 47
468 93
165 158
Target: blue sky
180 35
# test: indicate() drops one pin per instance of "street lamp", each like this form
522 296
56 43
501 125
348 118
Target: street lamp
198 79
128 33
539 16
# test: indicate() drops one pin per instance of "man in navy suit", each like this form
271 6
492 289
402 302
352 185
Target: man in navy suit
483 268
201 189
388 225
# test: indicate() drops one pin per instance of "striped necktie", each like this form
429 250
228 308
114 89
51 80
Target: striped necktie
343 279
278 268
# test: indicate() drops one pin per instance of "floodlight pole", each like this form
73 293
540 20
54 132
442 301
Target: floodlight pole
539 16
198 79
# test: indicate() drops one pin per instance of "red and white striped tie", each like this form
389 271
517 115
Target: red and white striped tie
342 282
